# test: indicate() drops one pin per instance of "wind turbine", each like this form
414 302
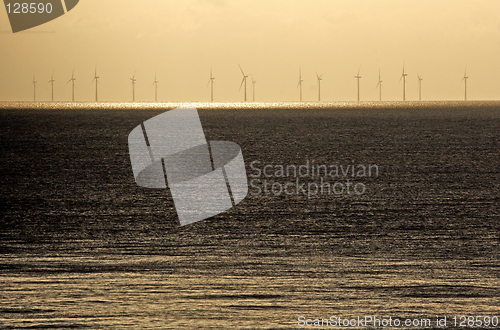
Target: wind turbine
379 85
300 83
358 77
211 81
253 89
420 87
465 80
403 76
52 83
96 78
72 85
133 87
319 85
34 88
244 81
156 88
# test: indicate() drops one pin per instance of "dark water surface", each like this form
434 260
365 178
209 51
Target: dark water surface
82 246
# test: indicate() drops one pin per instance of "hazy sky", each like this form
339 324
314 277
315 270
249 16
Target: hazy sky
270 39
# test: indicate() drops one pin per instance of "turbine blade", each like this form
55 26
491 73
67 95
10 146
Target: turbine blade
241 70
242 82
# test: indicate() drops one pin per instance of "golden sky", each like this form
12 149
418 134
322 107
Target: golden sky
182 40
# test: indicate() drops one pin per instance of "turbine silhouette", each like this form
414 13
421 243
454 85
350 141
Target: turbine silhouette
300 83
403 76
319 85
211 82
244 81
358 77
34 88
96 79
465 80
379 85
420 87
51 81
72 85
253 89
133 87
156 88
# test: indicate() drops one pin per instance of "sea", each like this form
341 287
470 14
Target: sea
412 244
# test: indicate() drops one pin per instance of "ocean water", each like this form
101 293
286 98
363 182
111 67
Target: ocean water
83 247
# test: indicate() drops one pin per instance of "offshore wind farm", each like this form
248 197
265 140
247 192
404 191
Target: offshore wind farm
243 84
433 48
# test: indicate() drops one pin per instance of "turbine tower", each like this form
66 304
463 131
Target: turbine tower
211 81
465 81
156 88
96 79
34 88
253 89
358 77
300 83
72 85
319 86
244 81
133 87
51 81
379 85
403 76
420 87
